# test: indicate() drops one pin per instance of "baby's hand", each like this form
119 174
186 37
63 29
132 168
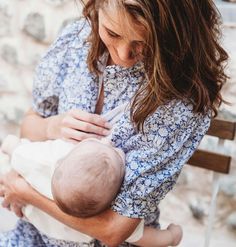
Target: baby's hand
9 144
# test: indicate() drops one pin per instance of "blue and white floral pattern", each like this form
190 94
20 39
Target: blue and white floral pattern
154 159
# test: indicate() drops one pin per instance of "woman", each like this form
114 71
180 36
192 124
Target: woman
164 58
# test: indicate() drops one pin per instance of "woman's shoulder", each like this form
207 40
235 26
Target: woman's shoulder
72 38
177 111
75 33
79 27
178 115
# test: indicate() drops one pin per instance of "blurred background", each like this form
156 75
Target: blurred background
28 27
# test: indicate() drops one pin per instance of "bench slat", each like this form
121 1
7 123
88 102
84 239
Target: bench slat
211 161
222 129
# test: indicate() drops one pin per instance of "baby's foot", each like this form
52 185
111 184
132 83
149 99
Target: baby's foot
176 232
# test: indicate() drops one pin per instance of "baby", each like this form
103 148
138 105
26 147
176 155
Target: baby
86 181
82 179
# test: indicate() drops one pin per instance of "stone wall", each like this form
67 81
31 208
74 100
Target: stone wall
27 28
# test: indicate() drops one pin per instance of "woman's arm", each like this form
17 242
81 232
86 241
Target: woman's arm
73 125
109 227
35 127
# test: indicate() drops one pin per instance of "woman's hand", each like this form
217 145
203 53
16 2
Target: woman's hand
77 125
74 125
15 191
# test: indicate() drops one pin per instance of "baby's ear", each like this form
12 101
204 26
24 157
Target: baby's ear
9 144
121 154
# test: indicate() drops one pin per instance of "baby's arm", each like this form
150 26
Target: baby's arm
35 161
29 159
160 238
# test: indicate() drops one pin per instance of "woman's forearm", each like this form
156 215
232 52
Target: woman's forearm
34 127
74 124
109 227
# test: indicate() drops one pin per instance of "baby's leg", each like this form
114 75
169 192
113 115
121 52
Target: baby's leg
161 238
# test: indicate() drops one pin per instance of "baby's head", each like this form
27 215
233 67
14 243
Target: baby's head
87 180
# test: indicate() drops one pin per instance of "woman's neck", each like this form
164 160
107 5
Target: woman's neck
110 61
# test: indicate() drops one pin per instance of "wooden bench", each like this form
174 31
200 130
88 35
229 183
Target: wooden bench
218 163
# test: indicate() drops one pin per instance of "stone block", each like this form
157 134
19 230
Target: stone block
9 54
5 19
231 221
3 83
197 208
34 26
57 2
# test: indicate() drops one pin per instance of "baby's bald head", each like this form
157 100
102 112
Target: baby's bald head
87 180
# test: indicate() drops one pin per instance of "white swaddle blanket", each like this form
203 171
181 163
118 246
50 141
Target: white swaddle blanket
37 168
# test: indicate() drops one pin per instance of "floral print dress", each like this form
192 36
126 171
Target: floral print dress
154 159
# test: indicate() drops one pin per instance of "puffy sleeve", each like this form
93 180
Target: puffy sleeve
155 158
53 67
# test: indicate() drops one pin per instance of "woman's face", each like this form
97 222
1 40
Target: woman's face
123 38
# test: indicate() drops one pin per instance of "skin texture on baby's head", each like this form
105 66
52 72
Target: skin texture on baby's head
87 180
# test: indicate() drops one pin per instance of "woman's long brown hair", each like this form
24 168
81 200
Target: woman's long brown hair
187 60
